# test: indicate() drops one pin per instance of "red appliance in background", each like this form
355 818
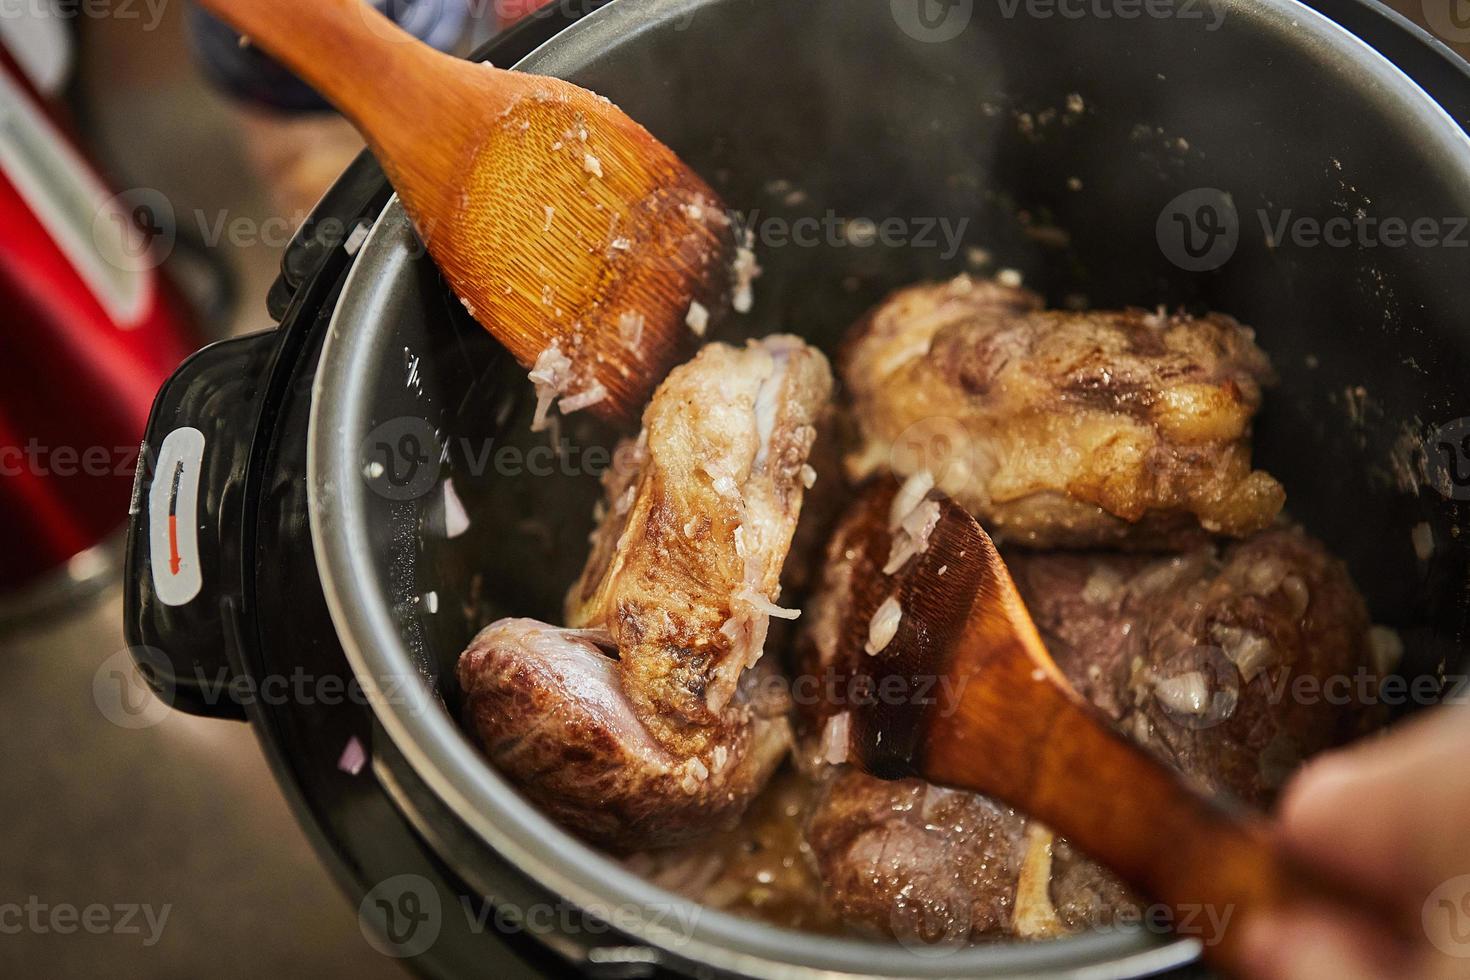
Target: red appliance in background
88 333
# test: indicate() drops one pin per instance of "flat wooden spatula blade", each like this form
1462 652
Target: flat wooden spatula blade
931 597
583 244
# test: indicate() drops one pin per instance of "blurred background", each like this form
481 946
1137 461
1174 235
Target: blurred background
178 131
180 821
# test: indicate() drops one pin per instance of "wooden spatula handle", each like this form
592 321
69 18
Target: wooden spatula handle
1069 769
379 76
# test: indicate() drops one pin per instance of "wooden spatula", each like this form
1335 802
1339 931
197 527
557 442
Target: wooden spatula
559 221
1016 730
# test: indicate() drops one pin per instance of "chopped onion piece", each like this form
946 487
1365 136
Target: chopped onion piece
630 328
912 538
1102 586
909 496
592 634
1385 650
551 374
353 757
585 399
883 626
1422 537
834 746
1186 694
746 271
695 773
697 318
1249 651
761 604
456 518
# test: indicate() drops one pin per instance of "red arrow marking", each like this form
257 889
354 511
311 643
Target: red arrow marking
173 544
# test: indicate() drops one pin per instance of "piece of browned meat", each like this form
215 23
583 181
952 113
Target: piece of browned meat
1194 655
643 723
1063 429
1189 654
913 860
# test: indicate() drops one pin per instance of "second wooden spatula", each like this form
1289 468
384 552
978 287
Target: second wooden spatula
582 243
929 599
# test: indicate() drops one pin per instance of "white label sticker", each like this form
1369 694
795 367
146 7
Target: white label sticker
173 517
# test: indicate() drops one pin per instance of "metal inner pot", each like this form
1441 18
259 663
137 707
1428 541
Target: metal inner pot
1057 144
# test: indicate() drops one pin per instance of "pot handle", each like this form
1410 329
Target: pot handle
183 572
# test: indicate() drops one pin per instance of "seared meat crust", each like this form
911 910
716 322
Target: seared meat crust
1063 429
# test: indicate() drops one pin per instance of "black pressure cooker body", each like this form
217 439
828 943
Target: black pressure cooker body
331 509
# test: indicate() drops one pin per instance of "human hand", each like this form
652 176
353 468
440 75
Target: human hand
1394 816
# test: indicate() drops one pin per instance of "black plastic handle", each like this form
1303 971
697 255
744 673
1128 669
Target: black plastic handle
182 579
